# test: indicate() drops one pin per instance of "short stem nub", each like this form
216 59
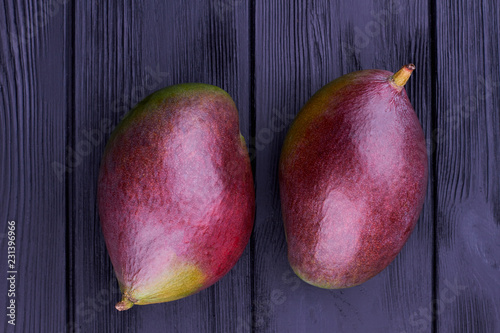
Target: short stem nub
124 304
400 78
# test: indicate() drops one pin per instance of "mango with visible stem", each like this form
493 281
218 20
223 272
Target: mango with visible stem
353 177
175 194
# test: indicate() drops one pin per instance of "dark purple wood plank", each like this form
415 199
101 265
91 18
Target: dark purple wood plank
32 132
124 52
300 46
468 154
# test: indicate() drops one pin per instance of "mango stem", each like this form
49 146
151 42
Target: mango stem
124 304
400 78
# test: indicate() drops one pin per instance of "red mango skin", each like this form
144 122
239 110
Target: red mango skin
175 194
353 176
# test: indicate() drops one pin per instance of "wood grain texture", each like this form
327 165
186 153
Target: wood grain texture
69 71
32 134
123 53
300 46
468 155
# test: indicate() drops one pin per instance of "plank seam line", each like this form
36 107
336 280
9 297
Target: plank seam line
70 25
433 152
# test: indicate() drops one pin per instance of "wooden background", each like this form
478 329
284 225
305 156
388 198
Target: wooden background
70 70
